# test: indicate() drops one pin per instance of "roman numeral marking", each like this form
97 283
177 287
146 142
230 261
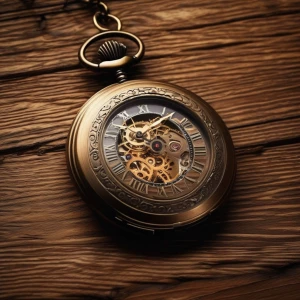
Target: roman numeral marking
111 153
196 136
176 189
111 134
198 167
143 109
189 180
123 115
163 111
185 123
139 186
161 191
119 169
200 151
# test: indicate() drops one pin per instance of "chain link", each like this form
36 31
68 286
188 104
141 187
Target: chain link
99 21
102 15
103 8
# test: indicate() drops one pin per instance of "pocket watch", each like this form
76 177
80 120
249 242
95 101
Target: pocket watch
146 155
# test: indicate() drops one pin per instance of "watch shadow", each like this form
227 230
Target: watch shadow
171 242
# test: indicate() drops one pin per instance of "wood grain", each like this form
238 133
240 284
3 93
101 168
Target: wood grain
50 236
243 59
55 46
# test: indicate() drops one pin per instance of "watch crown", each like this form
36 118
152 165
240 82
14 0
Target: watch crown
112 50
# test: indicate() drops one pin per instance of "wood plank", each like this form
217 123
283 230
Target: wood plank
266 134
52 45
36 111
167 11
49 236
17 8
194 18
41 138
238 287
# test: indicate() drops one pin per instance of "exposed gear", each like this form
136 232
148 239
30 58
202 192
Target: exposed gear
146 162
140 167
130 137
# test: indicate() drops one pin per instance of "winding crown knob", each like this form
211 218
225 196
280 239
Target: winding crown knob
112 50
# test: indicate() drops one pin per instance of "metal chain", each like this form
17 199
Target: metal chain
102 15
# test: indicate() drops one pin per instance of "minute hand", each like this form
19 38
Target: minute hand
154 124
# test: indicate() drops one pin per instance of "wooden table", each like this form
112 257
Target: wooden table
243 58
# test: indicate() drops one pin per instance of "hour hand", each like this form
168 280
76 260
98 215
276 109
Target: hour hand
123 127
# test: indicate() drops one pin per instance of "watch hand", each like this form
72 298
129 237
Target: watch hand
123 127
157 122
120 126
161 119
133 123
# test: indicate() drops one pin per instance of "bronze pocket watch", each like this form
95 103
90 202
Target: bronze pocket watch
147 155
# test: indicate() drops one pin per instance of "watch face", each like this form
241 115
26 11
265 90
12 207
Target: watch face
150 155
155 149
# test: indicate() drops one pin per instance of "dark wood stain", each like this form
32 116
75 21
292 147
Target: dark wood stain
243 58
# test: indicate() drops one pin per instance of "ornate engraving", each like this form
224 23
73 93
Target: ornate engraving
148 205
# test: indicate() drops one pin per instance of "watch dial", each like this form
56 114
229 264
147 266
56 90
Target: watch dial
155 150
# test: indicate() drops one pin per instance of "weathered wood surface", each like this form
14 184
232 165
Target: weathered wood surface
244 59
